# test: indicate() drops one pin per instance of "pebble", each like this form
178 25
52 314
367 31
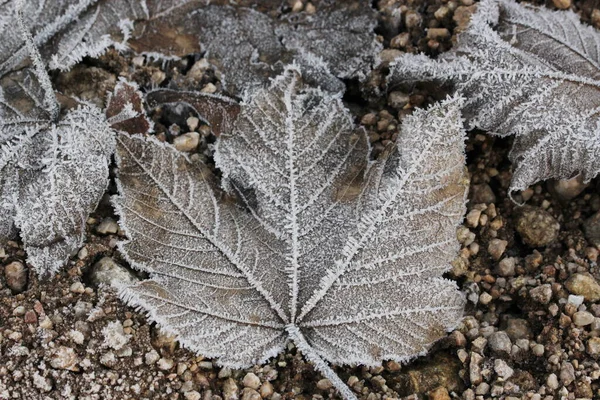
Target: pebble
192 395
114 336
562 4
503 369
552 381
230 390
506 267
541 294
165 363
398 99
44 384
537 227
439 393
108 359
250 394
499 342
583 318
15 274
568 189
108 226
575 300
187 142
475 369
593 346
64 358
251 381
77 287
107 270
266 390
496 248
567 373
324 384
591 228
518 328
482 193
538 350
584 285
151 357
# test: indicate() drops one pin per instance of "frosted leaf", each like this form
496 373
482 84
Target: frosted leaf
65 31
250 46
529 72
309 242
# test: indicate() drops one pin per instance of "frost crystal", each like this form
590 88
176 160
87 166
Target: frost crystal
311 242
250 46
528 72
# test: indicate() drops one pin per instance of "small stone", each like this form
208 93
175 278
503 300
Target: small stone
77 287
64 358
552 381
15 274
439 393
30 317
230 390
400 41
224 373
485 298
567 373
266 390
187 142
108 359
106 270
482 389
438 33
541 294
398 100
584 285
44 384
114 336
502 369
192 123
250 394
475 368
583 318
472 217
538 350
151 357
499 342
518 328
506 267
108 226
46 323
591 228
192 395
568 189
537 227
482 193
369 119
562 4
412 19
165 363
593 346
251 381
324 384
496 248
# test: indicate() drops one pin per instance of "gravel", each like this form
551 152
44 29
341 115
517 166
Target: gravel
532 331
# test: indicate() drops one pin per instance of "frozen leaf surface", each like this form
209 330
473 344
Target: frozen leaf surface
250 46
68 30
308 241
529 72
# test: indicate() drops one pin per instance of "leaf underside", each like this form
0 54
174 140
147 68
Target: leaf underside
306 240
528 72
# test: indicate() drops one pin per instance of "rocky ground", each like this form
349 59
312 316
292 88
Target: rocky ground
531 328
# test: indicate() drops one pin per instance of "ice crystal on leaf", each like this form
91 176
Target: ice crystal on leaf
250 46
529 72
306 240
68 30
53 166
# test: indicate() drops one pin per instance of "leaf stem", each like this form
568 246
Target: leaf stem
321 365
